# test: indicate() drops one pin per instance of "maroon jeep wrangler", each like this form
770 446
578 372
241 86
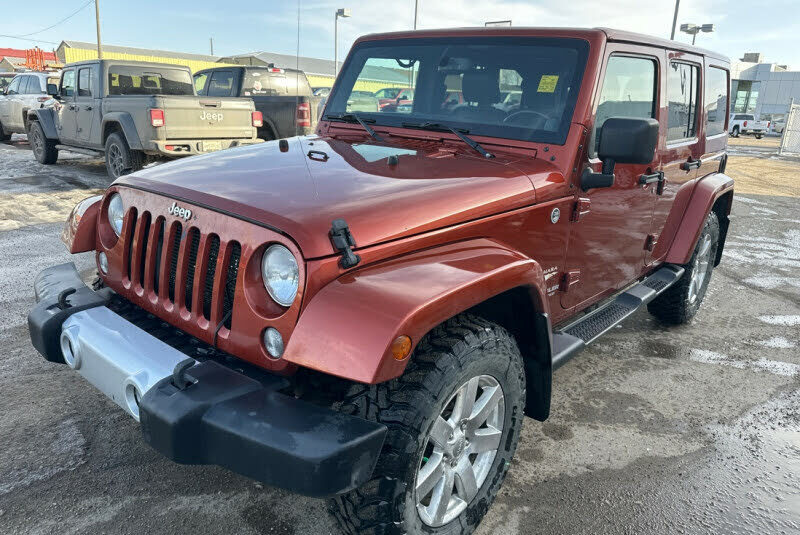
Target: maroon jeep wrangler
367 313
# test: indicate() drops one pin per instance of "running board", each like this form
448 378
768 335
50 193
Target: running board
79 150
570 340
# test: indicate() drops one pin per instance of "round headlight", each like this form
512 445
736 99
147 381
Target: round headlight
281 274
116 213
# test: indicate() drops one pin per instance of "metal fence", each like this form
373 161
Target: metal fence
790 141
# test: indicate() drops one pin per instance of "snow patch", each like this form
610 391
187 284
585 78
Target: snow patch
777 342
784 321
785 369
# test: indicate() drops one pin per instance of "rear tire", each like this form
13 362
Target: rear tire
44 149
467 458
3 135
120 159
759 136
735 131
680 302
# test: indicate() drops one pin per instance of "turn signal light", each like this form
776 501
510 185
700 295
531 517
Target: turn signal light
157 117
401 347
258 119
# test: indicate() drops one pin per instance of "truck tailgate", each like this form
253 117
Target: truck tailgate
193 117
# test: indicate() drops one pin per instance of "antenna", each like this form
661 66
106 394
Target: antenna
297 74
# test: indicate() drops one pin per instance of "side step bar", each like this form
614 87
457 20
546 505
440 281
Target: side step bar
80 150
570 340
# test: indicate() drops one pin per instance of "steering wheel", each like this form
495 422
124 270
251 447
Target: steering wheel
526 112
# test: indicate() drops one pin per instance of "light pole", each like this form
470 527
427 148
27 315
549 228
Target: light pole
416 9
97 21
343 12
694 29
675 19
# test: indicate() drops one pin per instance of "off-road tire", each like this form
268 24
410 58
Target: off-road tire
44 149
120 159
3 135
735 131
675 305
456 351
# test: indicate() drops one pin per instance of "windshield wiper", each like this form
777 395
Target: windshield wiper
350 117
461 133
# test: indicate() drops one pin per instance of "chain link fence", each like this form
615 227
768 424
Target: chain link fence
790 141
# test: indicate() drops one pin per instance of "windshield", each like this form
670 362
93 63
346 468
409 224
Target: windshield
129 80
466 83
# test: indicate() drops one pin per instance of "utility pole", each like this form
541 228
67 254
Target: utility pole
675 19
416 10
97 19
211 42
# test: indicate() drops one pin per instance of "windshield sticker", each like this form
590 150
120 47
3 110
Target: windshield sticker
547 84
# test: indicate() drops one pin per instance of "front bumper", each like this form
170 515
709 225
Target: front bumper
190 147
200 412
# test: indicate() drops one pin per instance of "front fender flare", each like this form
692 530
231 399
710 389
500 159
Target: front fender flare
125 121
348 327
46 119
705 194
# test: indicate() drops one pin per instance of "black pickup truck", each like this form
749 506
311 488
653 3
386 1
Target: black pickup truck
283 96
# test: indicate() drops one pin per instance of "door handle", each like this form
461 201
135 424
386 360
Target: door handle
658 176
691 164
318 155
88 108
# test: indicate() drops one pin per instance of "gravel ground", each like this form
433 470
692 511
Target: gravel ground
691 429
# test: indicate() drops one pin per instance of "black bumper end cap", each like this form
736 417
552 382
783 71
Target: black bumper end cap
249 427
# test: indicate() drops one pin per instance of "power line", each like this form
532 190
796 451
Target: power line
26 39
24 35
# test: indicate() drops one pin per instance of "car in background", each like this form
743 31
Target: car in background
745 123
5 80
362 101
26 91
391 96
779 126
321 91
405 97
283 96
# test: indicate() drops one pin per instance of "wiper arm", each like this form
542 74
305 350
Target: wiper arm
350 117
461 133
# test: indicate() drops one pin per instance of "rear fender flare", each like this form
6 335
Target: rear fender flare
706 193
126 124
46 119
348 327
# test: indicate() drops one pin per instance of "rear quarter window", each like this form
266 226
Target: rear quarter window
716 100
682 94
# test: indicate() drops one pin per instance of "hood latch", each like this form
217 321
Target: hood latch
343 242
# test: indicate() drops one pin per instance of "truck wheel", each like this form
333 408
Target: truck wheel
679 303
735 131
454 420
759 136
266 134
3 135
120 159
44 149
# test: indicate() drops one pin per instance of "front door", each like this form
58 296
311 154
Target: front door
67 115
607 243
681 150
85 107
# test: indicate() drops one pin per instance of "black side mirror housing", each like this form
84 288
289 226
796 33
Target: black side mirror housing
52 90
622 140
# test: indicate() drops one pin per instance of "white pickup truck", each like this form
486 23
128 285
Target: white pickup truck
745 123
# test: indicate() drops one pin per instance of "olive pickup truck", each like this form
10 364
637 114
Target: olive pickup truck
367 313
282 96
130 112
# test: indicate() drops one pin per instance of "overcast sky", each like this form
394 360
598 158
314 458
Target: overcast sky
768 26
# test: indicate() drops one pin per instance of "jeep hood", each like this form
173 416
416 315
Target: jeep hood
300 191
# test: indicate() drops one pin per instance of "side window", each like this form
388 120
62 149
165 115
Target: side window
682 80
85 83
200 82
629 90
221 84
68 83
13 89
716 100
23 85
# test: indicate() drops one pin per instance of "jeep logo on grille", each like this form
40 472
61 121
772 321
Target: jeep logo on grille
211 117
177 211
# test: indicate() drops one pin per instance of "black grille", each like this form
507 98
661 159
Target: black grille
230 283
213 253
132 226
143 247
194 244
173 264
159 252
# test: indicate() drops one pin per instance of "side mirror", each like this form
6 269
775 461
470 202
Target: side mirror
52 90
622 140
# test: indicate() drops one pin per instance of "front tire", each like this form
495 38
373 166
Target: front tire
735 132
454 420
120 159
3 135
44 150
681 301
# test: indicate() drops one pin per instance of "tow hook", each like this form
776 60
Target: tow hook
179 378
63 304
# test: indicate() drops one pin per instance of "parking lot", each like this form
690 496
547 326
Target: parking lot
690 429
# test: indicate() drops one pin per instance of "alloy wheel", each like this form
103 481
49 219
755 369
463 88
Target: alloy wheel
459 450
115 160
700 269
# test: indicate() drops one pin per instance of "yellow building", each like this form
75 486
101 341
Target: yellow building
71 51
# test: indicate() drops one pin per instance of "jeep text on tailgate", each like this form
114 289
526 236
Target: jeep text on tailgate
366 313
131 111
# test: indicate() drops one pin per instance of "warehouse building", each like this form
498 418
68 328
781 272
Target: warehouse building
762 88
71 51
15 59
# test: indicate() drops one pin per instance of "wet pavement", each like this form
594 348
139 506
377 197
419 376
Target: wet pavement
692 429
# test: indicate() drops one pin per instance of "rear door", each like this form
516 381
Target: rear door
607 245
11 99
681 149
